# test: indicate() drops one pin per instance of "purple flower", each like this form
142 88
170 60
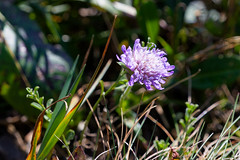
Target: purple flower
148 65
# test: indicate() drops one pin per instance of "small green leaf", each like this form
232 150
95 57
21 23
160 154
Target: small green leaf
30 96
36 90
29 90
182 123
37 105
190 129
49 102
70 135
187 116
165 45
125 67
161 144
191 107
41 100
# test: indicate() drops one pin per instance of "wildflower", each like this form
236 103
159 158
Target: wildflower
148 65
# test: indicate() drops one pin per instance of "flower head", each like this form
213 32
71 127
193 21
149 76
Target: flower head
148 65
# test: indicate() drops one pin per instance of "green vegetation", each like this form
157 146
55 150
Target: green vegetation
62 85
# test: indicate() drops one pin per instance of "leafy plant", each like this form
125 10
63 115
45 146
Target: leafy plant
39 39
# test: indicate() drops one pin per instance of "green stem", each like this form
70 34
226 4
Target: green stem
123 96
110 124
99 100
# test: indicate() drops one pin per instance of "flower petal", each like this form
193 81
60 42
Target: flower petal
157 85
148 64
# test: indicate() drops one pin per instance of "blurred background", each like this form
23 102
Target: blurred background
40 39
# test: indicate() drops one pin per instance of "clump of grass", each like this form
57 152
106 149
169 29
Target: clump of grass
190 143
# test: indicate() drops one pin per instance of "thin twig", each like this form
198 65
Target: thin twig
69 152
156 154
228 94
189 86
148 151
129 146
150 106
157 95
87 53
104 152
208 110
161 126
220 46
98 124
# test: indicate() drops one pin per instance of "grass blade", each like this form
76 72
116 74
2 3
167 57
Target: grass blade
36 135
61 126
59 111
52 140
76 82
38 130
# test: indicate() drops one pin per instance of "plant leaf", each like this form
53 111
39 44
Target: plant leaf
37 131
37 105
36 135
58 131
165 45
60 110
149 20
35 56
216 71
76 82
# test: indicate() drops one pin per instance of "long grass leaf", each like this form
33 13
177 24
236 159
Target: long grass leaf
38 130
131 129
202 146
87 53
57 133
224 131
74 87
36 135
52 140
59 111
197 140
